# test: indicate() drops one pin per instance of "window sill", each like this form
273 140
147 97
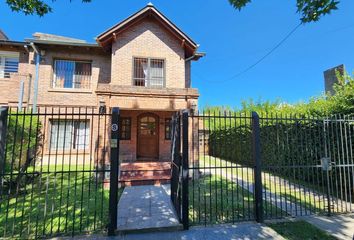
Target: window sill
70 90
150 87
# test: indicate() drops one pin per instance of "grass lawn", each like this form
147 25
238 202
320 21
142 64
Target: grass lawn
298 195
213 199
300 230
62 200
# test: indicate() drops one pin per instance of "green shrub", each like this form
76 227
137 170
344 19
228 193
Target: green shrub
291 135
22 140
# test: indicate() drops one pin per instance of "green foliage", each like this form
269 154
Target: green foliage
290 134
22 141
313 10
71 202
342 102
299 230
30 7
310 10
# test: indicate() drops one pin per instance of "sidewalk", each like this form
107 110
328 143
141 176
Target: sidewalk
339 226
146 208
245 231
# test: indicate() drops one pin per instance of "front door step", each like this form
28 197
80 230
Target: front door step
146 209
148 173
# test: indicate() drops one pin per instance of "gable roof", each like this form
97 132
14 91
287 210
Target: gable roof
3 35
112 33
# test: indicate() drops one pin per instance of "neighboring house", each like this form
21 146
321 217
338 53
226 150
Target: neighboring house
331 78
141 65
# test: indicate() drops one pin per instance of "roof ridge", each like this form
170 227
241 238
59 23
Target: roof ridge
54 37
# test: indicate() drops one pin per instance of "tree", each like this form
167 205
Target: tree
30 7
342 101
310 10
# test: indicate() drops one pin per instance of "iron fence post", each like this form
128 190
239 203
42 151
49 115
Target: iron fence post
3 131
185 170
256 149
113 190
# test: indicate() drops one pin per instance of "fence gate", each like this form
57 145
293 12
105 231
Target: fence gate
222 169
338 164
307 165
179 167
243 167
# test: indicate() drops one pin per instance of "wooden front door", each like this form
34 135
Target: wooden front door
148 136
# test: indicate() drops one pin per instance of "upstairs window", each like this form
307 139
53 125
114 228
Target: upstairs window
8 63
72 74
149 72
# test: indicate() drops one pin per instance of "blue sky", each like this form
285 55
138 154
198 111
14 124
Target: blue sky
233 41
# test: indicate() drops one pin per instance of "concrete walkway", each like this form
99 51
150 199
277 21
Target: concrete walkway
339 226
244 231
282 203
292 208
146 208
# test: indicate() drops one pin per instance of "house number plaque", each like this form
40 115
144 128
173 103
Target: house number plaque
114 127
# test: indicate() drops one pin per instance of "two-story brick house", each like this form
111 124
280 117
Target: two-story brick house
141 65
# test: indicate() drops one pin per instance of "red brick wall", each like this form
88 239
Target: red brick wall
147 39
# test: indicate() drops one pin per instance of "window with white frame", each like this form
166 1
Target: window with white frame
69 134
72 74
8 63
149 72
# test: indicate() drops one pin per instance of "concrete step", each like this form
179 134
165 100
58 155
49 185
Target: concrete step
145 173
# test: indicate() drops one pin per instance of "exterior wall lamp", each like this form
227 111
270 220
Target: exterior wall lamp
102 108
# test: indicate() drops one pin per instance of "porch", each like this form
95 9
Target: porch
145 147
145 136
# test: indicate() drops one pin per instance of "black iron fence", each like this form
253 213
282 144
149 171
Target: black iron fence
246 167
54 172
220 190
59 169
308 164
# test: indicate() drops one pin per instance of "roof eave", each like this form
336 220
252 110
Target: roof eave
12 43
105 36
63 43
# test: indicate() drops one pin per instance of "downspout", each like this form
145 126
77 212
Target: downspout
35 92
190 73
193 107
